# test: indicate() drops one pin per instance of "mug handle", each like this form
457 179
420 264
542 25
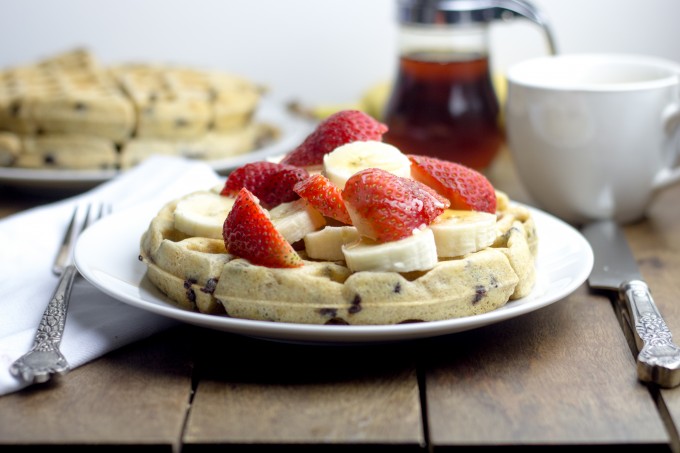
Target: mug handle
671 173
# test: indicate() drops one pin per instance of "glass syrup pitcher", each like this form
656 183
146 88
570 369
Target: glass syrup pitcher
443 102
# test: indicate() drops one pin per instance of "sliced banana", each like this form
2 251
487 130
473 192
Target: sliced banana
345 160
296 219
375 97
458 233
323 111
326 244
417 252
202 214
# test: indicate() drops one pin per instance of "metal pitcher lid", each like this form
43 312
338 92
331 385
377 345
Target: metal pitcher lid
446 12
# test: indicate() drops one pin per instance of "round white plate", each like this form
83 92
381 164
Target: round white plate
107 256
293 130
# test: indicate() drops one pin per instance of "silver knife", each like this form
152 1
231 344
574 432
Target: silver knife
615 268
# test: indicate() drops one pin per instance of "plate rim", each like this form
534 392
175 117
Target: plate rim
314 333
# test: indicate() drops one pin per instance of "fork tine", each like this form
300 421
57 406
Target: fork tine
62 253
92 214
103 210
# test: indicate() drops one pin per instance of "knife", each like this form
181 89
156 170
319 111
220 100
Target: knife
615 268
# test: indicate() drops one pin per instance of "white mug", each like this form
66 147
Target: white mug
594 136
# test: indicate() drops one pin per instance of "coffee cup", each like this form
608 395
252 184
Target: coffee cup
594 136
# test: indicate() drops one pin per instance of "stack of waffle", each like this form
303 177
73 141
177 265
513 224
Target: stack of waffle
69 112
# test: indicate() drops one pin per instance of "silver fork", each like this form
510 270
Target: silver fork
44 359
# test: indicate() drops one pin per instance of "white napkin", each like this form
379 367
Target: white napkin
96 323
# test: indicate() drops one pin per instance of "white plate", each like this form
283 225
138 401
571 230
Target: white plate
107 252
293 130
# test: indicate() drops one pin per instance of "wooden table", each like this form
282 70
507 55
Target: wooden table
561 376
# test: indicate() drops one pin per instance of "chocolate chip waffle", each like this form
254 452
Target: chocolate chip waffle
198 274
69 111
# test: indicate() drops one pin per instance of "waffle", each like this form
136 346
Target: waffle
53 114
67 94
67 151
198 274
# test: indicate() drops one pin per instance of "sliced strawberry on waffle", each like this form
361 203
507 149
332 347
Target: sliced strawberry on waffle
250 234
386 207
338 129
279 187
325 196
466 189
272 183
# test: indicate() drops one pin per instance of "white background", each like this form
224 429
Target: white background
314 51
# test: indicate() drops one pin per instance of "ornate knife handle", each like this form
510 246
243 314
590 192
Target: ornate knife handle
658 359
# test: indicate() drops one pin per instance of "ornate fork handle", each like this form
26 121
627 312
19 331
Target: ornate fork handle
659 358
44 358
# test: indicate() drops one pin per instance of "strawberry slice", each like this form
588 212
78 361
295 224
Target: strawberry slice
338 129
279 187
325 196
250 176
386 207
466 189
271 182
249 233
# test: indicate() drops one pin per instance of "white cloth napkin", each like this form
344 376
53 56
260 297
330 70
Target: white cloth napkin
96 323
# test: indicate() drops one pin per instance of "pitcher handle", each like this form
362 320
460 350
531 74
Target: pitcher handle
527 10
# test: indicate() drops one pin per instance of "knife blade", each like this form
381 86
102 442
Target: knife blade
615 269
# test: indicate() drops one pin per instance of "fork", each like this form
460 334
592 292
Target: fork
44 359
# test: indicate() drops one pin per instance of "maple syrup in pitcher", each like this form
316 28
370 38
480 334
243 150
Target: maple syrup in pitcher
446 108
443 102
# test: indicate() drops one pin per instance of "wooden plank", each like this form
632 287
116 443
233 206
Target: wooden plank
289 394
562 375
135 396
